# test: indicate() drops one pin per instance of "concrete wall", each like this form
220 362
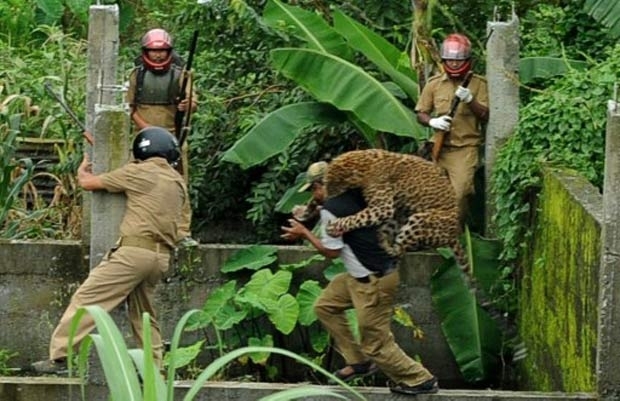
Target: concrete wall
37 279
559 294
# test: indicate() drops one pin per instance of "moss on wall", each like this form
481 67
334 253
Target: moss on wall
559 294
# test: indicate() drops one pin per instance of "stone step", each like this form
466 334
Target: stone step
52 388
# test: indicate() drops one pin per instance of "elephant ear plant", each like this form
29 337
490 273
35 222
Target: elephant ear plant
249 314
270 305
131 374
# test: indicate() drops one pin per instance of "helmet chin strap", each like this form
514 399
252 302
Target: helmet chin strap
157 67
458 72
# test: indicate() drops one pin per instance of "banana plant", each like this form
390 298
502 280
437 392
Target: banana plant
473 336
607 12
343 90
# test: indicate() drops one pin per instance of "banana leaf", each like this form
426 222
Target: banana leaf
473 336
253 257
607 12
531 68
276 131
306 25
348 87
293 197
378 50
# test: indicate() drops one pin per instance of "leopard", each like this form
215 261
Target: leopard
411 202
408 198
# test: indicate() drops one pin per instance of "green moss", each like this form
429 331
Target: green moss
558 318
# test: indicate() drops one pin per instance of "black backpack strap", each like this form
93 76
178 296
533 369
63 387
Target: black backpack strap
139 84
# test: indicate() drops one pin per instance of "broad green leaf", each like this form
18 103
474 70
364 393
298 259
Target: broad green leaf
607 12
52 10
228 316
293 197
353 325
217 309
531 68
154 386
348 87
472 335
378 50
306 25
185 355
218 298
117 366
172 354
319 339
335 268
277 130
146 364
265 286
285 313
252 258
262 357
304 263
484 260
367 132
308 293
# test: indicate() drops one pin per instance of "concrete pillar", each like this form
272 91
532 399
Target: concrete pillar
102 54
502 77
109 125
111 151
608 350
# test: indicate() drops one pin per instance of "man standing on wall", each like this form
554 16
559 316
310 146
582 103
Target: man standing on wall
461 134
153 95
369 286
131 270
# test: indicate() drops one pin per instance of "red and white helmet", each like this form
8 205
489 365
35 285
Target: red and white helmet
456 47
157 39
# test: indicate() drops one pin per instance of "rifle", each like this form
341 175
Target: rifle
438 144
74 117
180 127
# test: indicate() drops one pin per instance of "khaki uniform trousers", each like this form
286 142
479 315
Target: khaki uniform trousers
461 164
128 273
373 303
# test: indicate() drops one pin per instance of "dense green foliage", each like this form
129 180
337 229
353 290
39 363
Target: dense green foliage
564 125
562 121
238 85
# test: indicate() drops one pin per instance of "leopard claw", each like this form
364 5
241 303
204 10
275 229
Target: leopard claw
333 229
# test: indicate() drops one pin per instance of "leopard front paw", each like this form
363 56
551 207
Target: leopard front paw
396 251
334 228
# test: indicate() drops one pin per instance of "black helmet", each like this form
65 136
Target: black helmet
156 142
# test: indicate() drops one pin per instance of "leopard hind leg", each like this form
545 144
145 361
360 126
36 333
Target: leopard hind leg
386 234
427 230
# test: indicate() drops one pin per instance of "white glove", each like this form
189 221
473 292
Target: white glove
464 94
612 106
442 123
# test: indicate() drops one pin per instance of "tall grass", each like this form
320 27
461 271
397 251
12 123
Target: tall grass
125 369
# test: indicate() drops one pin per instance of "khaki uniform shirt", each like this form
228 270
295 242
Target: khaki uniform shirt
160 115
436 99
155 194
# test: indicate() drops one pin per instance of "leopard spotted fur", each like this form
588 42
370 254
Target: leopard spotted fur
409 198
